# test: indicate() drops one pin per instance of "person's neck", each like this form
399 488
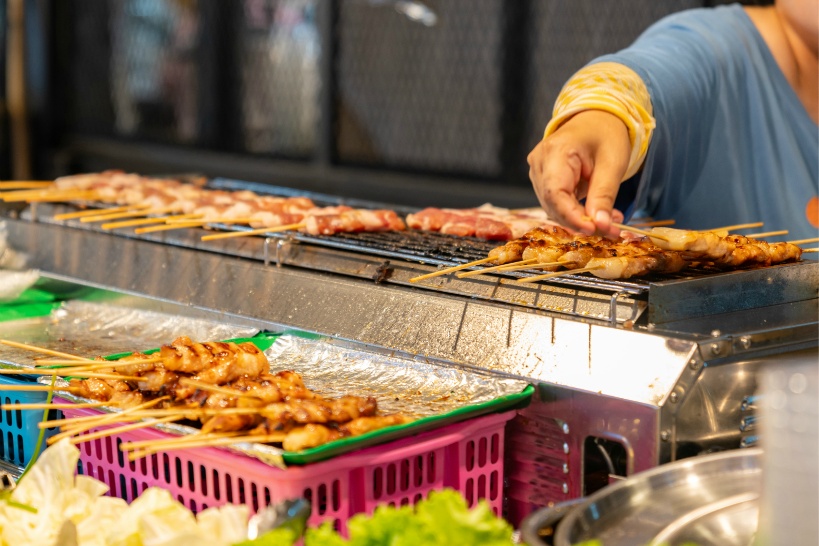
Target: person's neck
806 77
797 59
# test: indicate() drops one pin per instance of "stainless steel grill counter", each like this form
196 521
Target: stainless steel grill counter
629 374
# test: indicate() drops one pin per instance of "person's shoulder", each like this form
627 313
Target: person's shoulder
710 20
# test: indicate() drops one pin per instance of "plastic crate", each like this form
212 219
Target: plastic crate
466 456
18 428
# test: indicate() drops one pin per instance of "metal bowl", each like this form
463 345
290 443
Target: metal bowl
707 500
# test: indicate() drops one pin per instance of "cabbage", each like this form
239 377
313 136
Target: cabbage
50 496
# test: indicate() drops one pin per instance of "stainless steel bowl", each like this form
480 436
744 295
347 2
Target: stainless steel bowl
708 500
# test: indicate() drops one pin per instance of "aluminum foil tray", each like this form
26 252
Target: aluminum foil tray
432 394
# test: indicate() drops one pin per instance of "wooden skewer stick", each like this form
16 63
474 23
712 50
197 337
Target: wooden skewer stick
128 214
80 371
76 423
74 196
44 195
103 419
97 212
198 437
654 223
68 422
736 227
768 234
124 428
260 231
502 267
47 361
92 362
804 241
74 366
146 413
44 406
216 221
184 224
42 350
810 250
450 270
144 221
98 375
37 192
512 265
556 274
38 388
214 442
169 227
638 231
61 372
530 266
25 184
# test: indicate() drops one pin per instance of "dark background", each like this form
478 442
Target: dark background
350 97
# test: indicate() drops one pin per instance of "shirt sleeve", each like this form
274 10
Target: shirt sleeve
683 60
612 88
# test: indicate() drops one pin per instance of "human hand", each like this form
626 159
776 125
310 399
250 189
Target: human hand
586 157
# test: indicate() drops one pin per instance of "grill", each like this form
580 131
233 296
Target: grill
398 257
625 371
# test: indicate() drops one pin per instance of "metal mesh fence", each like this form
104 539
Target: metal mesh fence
4 151
452 87
417 96
567 35
155 85
278 54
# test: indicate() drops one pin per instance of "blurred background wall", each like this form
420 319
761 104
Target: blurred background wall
433 102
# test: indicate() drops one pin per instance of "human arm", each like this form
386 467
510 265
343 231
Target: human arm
598 136
680 63
589 151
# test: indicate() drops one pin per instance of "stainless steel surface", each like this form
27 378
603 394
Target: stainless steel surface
92 329
547 443
735 291
395 258
510 340
652 367
9 474
707 500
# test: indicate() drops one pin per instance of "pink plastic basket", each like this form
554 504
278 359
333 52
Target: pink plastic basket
466 456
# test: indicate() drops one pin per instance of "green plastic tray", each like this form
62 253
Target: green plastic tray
32 303
519 400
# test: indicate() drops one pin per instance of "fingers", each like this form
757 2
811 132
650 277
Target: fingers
556 173
586 157
603 187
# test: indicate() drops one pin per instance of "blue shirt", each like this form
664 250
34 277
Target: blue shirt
733 143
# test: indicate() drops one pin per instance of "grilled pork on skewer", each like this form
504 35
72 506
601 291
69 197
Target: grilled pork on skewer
208 204
313 435
277 402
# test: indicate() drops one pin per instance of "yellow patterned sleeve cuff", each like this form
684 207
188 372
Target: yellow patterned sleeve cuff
613 88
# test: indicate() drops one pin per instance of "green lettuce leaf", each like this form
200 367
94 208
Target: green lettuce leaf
443 519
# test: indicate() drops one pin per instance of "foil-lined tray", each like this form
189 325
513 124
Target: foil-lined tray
92 329
433 394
